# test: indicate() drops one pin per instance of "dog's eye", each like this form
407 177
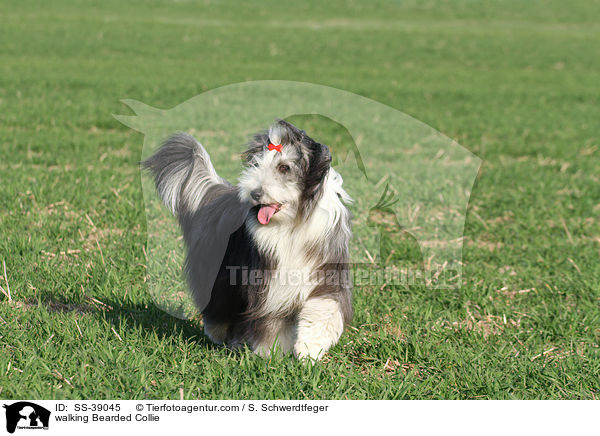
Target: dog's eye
283 169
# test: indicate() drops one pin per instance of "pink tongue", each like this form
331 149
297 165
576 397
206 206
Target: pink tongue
265 213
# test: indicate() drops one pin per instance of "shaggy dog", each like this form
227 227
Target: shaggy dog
283 283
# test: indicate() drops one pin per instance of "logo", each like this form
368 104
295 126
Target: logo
26 415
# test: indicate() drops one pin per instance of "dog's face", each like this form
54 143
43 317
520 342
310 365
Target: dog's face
284 173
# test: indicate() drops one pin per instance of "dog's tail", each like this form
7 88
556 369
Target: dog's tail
184 175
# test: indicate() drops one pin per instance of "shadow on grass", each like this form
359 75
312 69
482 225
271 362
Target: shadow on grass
141 315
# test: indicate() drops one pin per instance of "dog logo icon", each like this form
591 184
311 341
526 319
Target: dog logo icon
26 415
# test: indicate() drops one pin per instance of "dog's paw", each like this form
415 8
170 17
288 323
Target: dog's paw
216 332
311 352
235 345
262 350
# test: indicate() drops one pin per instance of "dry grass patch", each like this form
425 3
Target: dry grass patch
481 323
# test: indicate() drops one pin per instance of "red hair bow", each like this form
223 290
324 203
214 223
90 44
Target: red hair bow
274 147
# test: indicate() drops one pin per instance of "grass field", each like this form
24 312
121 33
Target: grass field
514 82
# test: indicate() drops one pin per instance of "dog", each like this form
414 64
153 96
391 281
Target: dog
283 283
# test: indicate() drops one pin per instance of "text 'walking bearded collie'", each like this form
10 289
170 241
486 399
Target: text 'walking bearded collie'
281 279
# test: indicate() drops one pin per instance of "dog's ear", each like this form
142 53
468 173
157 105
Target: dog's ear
326 154
255 146
318 166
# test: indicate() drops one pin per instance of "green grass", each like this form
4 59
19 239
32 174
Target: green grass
514 82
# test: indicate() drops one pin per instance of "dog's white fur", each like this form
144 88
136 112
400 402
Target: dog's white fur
320 323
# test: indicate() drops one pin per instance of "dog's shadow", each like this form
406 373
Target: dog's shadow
145 316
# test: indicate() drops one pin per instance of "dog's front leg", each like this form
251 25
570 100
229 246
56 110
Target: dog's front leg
273 334
320 325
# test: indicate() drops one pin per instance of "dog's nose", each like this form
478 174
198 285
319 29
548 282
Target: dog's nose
256 194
